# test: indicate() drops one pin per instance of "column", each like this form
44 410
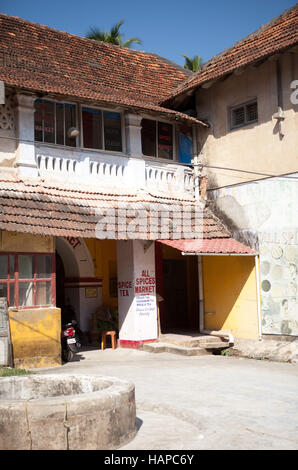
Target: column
136 292
135 170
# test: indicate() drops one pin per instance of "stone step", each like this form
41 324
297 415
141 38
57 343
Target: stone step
207 347
216 345
160 347
199 341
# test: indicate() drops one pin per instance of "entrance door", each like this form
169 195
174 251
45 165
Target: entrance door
175 295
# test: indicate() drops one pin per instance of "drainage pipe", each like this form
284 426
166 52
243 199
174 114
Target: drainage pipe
258 296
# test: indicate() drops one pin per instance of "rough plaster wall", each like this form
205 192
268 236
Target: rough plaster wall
257 147
35 336
24 242
7 132
264 215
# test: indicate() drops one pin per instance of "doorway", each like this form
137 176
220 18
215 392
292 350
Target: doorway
177 284
175 294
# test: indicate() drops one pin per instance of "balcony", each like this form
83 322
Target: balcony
108 170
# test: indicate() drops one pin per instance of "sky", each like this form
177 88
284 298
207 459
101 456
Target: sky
169 28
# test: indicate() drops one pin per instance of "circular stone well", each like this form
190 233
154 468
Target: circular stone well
59 412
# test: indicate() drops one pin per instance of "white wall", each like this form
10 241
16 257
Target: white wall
137 309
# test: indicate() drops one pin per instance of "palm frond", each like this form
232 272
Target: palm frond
97 34
130 41
193 64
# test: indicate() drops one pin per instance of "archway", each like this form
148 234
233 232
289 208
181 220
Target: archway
76 285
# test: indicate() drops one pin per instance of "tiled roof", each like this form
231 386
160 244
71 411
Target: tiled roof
271 38
55 209
211 245
44 60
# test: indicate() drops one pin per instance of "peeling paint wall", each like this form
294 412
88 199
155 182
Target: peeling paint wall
256 147
264 214
8 144
25 242
36 337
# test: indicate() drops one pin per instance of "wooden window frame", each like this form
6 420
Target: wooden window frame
35 280
161 159
102 111
244 106
55 123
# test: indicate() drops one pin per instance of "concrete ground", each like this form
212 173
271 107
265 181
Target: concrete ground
201 402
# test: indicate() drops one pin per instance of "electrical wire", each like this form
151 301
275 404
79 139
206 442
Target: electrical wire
254 172
266 175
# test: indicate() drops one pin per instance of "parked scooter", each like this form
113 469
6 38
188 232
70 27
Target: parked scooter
69 342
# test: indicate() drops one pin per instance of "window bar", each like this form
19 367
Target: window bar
8 280
42 117
16 278
53 280
156 139
34 280
64 138
55 122
103 141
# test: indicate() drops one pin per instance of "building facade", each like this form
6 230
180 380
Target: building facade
104 159
248 95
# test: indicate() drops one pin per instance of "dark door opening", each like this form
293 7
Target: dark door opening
67 312
175 295
177 284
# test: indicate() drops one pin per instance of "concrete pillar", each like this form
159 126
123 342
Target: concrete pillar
25 133
133 135
135 171
136 293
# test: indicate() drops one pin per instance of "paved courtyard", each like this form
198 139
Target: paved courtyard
204 402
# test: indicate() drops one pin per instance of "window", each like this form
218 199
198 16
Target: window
157 139
52 122
27 280
101 129
243 114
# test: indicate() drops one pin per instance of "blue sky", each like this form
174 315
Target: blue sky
169 28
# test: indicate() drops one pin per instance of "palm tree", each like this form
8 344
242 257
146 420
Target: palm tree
113 36
193 64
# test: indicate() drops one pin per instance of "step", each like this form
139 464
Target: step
197 341
160 347
216 345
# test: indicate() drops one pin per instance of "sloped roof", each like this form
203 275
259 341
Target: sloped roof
271 38
210 246
45 60
61 209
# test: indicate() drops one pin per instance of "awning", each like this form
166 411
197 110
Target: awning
210 246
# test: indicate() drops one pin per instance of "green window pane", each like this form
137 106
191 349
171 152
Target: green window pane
43 266
26 267
3 266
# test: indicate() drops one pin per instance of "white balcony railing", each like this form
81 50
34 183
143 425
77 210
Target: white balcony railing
92 168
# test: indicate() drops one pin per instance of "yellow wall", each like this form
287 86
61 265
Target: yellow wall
36 337
104 255
230 298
